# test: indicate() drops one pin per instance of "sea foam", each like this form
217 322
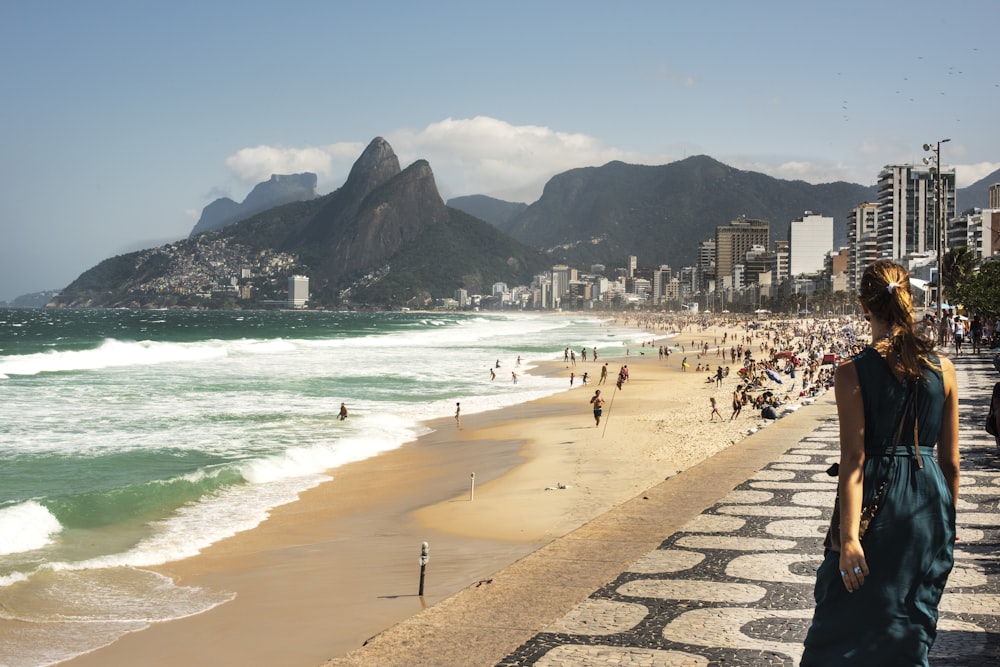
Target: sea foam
25 527
110 354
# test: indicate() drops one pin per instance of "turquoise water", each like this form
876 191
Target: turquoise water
133 438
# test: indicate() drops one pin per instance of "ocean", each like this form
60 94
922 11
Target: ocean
134 438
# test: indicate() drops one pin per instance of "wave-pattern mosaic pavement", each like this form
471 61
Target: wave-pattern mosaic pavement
734 586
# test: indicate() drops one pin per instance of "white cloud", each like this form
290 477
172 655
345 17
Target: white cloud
255 164
478 155
967 174
484 155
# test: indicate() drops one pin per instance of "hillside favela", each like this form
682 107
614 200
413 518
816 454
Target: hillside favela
691 236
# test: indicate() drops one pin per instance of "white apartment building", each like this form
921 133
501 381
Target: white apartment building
298 291
810 239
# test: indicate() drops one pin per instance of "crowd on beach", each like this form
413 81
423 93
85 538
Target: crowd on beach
777 361
768 365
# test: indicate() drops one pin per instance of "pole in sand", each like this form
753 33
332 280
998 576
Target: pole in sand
607 417
424 557
472 487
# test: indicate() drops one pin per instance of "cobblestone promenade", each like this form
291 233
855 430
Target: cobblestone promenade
734 585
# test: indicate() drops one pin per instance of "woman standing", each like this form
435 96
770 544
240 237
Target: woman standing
877 597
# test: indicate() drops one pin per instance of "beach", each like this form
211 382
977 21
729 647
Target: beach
325 573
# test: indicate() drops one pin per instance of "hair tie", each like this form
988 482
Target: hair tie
891 287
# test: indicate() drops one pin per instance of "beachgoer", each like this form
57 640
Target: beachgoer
976 333
715 409
572 376
513 376
584 378
718 377
737 402
458 415
604 374
343 412
877 598
493 376
598 402
684 364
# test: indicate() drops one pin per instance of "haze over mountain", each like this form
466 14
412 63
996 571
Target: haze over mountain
497 212
279 189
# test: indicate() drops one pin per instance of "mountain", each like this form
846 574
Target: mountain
977 195
661 213
279 189
497 212
387 238
384 238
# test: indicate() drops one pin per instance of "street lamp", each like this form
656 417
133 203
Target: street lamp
939 212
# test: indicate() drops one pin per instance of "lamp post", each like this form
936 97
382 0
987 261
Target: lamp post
939 215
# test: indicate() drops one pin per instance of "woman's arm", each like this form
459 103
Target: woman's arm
851 411
947 453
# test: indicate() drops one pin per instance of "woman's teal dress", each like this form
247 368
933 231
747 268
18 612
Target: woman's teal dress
891 620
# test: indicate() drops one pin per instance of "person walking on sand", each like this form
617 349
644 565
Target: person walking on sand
598 402
343 412
715 409
604 374
737 402
572 376
458 415
877 594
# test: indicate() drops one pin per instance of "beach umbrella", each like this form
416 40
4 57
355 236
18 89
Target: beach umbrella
773 375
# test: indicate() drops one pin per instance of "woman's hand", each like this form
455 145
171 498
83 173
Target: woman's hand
853 567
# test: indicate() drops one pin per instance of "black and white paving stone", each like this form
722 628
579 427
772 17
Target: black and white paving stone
735 585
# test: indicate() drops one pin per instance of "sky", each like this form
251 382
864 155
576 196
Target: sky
121 120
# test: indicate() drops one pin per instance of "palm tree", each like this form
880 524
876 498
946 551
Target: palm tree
957 265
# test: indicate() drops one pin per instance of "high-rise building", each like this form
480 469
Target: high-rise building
732 243
298 291
862 240
782 262
979 231
810 240
994 196
706 265
633 264
660 280
907 208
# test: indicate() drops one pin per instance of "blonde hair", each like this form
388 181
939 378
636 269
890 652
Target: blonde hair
885 291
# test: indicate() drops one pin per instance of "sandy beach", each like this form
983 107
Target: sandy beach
328 572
